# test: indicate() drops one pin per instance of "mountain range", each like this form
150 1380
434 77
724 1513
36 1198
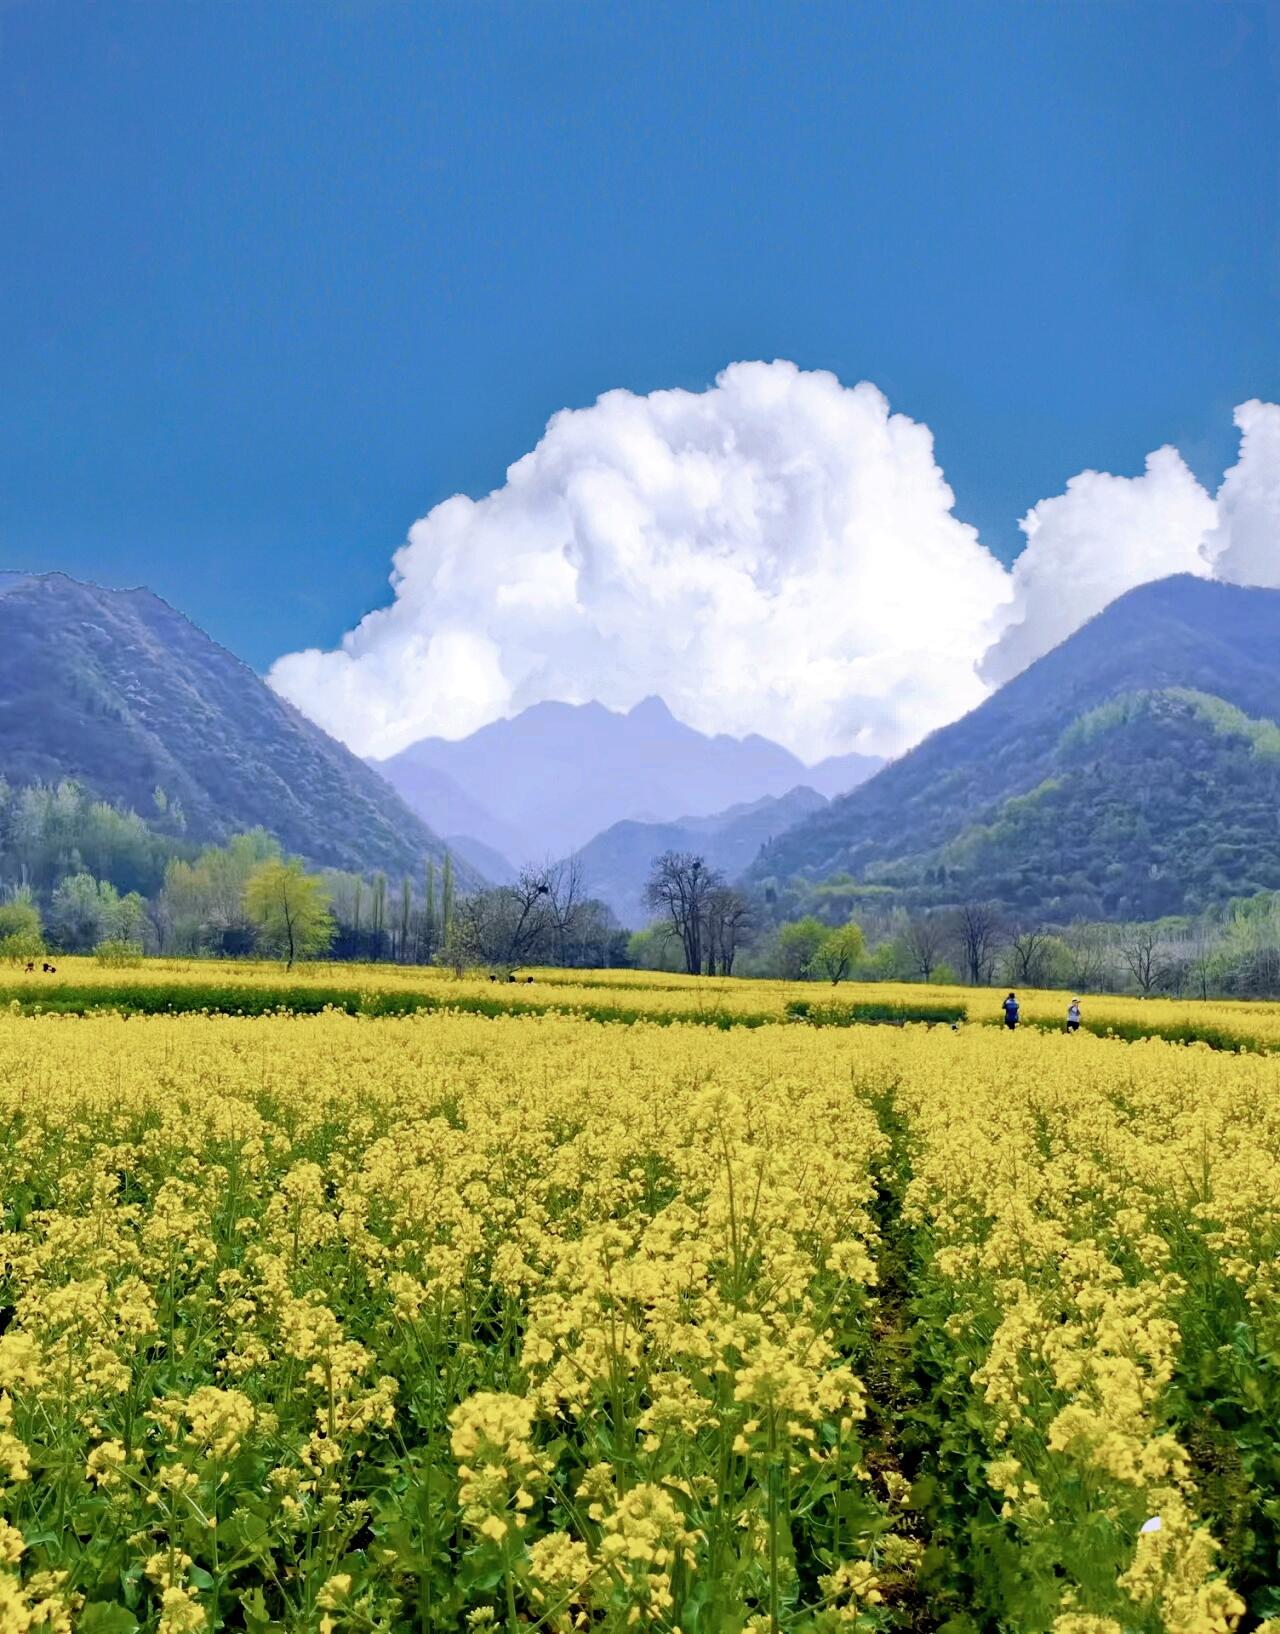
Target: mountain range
1131 772
548 780
116 690
616 863
1134 771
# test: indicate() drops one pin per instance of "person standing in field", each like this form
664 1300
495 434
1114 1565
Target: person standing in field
1011 1012
1073 1016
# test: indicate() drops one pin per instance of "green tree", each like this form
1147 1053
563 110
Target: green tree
202 905
406 919
20 917
289 909
430 939
128 921
446 899
21 931
796 945
838 953
83 911
378 913
657 947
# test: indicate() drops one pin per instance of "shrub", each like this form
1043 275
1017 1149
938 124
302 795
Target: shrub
118 953
20 946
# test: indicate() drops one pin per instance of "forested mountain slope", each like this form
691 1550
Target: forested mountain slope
1164 783
1158 803
116 690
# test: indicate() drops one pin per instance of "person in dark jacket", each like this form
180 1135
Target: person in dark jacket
1011 1012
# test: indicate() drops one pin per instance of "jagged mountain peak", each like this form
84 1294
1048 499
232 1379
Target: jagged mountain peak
547 780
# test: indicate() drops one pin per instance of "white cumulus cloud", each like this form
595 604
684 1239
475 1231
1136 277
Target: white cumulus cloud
1085 547
1244 547
777 554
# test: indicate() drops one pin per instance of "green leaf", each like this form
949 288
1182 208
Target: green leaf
33 1540
106 1617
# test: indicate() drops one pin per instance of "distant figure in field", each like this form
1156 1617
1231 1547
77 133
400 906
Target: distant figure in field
1073 1016
1011 1012
30 966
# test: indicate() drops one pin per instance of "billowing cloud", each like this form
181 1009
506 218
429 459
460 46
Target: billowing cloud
1085 547
777 554
1244 547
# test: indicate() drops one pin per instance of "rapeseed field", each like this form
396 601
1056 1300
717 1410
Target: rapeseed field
626 995
529 1322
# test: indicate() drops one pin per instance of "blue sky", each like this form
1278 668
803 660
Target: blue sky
276 278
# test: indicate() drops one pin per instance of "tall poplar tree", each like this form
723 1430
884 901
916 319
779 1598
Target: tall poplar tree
429 913
446 898
378 914
406 914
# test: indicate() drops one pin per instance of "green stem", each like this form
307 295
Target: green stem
509 1576
773 1523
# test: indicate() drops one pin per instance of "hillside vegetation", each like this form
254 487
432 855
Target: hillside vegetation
1131 772
117 691
1157 803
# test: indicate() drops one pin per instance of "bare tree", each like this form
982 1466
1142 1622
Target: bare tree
1140 948
1027 957
531 916
504 927
728 915
924 941
679 885
565 899
977 931
1202 947
1089 949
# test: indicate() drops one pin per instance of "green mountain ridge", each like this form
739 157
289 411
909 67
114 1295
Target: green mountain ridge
117 691
1168 808
1132 772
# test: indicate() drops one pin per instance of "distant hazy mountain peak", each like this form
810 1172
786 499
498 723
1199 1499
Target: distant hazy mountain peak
561 709
545 781
616 863
651 709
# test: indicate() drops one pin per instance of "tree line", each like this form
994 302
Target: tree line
79 875
702 925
